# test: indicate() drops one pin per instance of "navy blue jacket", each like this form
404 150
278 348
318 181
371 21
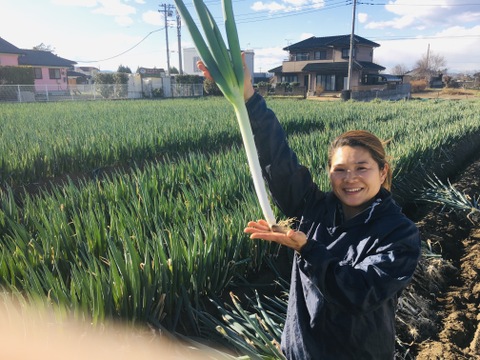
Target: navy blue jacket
347 278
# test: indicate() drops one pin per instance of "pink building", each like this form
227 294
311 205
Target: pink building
50 70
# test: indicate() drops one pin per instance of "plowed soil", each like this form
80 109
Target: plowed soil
442 320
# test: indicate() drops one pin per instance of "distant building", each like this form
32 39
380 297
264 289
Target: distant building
190 58
50 70
323 62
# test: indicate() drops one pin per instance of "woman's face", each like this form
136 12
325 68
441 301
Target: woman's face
356 178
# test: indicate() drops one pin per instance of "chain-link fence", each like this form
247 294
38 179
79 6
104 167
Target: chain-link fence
32 93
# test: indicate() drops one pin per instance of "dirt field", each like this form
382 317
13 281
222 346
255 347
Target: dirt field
450 286
440 94
447 94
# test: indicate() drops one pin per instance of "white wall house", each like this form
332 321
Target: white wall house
190 58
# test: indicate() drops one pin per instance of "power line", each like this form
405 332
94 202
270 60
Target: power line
124 52
396 38
262 16
416 5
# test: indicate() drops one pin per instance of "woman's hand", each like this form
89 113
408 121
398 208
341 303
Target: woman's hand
248 89
261 230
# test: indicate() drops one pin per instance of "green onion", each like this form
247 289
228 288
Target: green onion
226 68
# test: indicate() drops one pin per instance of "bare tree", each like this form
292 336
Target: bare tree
44 47
431 64
399 69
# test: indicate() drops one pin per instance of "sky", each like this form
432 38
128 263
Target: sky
108 33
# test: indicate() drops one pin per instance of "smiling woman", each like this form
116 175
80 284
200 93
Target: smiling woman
355 251
358 170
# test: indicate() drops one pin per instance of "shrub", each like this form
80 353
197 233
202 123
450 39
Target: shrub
211 88
418 85
17 75
319 90
157 92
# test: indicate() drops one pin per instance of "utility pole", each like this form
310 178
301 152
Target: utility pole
167 11
179 36
352 42
427 65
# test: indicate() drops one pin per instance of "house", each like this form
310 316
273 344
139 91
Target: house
50 70
324 61
82 74
9 53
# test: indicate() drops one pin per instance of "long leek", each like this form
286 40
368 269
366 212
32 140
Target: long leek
226 68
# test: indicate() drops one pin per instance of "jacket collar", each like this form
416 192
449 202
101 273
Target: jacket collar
376 208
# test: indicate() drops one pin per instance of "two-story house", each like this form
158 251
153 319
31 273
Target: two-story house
50 70
324 61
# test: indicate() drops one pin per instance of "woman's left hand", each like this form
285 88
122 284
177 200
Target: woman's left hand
261 230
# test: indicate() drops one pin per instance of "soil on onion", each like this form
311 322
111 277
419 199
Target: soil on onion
441 320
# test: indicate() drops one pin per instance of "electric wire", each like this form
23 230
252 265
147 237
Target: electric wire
265 15
124 52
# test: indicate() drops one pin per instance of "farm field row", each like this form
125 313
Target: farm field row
161 231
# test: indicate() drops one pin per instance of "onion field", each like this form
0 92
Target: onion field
135 210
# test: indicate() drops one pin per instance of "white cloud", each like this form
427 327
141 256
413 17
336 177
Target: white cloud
269 58
287 5
362 17
121 12
427 14
123 20
317 4
270 7
114 8
458 45
305 36
397 23
153 18
296 3
82 3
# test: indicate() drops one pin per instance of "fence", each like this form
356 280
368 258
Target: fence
31 93
399 92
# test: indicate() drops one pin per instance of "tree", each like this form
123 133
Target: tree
399 69
188 79
476 79
124 69
174 70
431 64
43 47
211 87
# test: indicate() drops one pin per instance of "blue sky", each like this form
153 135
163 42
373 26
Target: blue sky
109 33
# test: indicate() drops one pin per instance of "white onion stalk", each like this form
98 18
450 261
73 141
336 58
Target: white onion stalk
226 68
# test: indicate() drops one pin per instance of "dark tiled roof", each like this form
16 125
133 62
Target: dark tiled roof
276 70
7 48
43 58
341 66
326 41
370 66
72 73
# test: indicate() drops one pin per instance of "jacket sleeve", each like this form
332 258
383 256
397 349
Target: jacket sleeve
289 182
364 285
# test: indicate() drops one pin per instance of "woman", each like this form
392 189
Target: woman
354 249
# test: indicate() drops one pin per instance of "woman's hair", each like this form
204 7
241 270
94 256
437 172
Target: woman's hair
367 141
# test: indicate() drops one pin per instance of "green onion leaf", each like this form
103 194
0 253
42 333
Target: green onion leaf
226 68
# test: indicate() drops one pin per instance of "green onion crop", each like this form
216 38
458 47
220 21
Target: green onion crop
226 68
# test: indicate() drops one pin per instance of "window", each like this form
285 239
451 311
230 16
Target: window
54 73
38 73
327 82
301 56
346 53
320 55
196 59
289 78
